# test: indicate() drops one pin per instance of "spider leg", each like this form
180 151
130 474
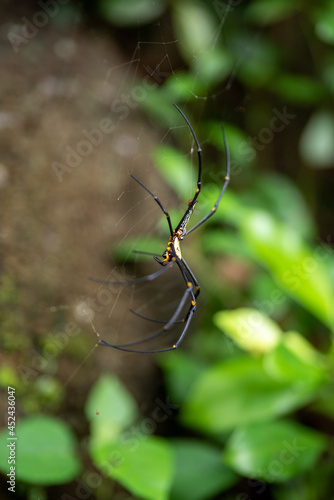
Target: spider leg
193 304
194 280
156 199
151 319
146 253
171 256
137 281
154 351
196 294
199 153
167 326
227 179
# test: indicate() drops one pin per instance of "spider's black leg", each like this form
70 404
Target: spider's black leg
161 321
194 280
199 153
158 202
227 179
173 320
137 281
196 294
147 253
154 351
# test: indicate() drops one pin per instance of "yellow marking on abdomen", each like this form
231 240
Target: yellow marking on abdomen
177 248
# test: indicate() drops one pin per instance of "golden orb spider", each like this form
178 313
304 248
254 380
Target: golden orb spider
173 256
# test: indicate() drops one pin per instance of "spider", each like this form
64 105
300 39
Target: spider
172 256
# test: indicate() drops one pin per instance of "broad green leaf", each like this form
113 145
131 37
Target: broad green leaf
131 12
158 105
274 451
238 392
249 328
298 269
268 297
110 409
44 451
240 148
182 86
324 22
316 144
294 355
142 464
213 65
194 26
227 242
289 207
121 448
199 471
177 170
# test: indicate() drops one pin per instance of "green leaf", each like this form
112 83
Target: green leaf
176 169
298 269
213 65
142 464
289 207
182 86
199 471
249 328
110 409
194 26
295 355
316 143
45 451
324 22
240 391
131 12
227 242
274 451
240 149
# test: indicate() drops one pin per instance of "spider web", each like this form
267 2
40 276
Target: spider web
124 113
136 214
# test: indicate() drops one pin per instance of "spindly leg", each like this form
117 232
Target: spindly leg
137 281
158 202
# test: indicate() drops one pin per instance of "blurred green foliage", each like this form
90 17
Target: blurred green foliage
255 385
243 393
